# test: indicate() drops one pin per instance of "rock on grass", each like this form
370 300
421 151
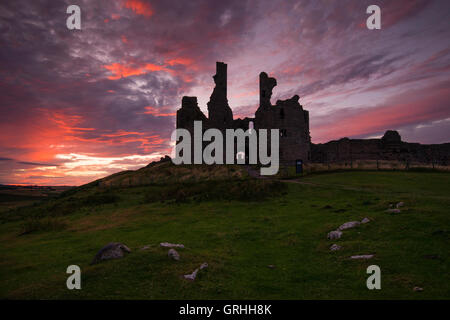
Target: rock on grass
193 275
348 225
113 250
334 235
171 245
365 220
335 247
173 254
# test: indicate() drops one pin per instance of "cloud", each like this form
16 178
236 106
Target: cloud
402 110
36 164
139 7
159 112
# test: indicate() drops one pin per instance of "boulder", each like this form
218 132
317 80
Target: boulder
349 225
365 220
173 254
334 235
393 210
418 289
113 250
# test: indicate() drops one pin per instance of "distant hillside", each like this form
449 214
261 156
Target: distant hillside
164 171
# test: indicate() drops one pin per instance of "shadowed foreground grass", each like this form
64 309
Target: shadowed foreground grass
239 238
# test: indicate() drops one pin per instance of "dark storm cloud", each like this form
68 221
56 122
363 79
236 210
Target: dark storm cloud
63 70
36 164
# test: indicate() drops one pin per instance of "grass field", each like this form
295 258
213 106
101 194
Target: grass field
238 227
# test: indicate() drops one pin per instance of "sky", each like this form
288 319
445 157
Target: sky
78 105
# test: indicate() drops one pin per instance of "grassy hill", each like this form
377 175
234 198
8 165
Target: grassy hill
239 226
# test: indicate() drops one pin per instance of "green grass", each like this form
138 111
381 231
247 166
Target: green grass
238 239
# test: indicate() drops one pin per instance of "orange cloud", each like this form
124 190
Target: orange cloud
69 123
139 7
182 61
123 71
157 111
153 67
122 133
126 70
40 134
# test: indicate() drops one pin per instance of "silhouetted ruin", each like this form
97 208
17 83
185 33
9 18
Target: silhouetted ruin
293 122
389 147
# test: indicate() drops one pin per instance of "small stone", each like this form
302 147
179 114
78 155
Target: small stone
113 250
335 247
365 220
145 247
349 225
363 256
193 275
334 235
400 204
271 266
418 289
171 245
393 210
173 254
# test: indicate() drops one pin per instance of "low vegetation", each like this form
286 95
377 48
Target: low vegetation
239 226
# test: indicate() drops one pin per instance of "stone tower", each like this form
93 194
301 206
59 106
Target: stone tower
219 112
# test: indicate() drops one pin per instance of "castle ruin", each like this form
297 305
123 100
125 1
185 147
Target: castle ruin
293 123
286 115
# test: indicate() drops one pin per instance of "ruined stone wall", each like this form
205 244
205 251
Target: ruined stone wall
187 114
389 147
289 117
